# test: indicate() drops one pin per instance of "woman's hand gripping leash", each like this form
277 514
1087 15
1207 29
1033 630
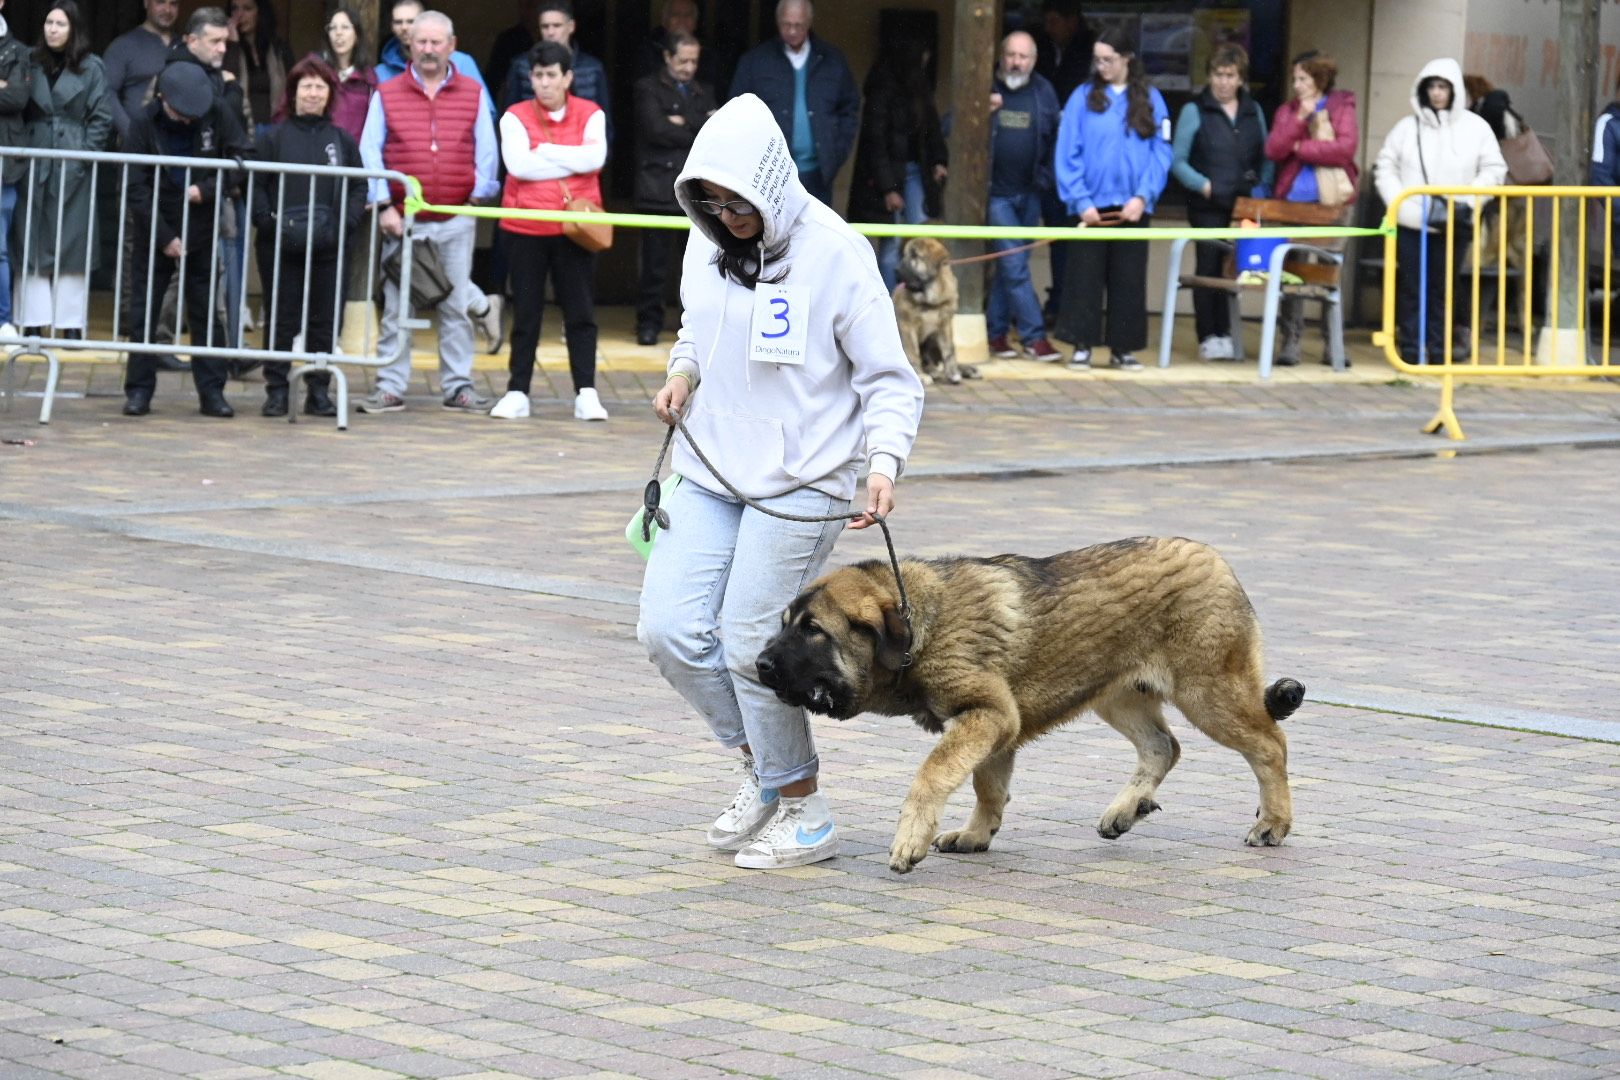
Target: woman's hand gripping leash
670 406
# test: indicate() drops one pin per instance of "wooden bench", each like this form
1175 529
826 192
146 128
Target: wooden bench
1318 265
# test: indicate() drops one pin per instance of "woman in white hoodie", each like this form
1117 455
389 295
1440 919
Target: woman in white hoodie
1445 145
790 376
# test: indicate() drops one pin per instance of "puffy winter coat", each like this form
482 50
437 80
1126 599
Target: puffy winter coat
1450 148
1290 144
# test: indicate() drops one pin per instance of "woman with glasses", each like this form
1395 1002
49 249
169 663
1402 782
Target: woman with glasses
1113 159
554 147
789 375
348 54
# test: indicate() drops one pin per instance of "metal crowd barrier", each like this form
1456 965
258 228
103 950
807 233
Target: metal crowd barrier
109 172
1515 246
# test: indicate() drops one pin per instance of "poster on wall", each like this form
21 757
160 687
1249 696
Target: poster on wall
1167 50
1215 28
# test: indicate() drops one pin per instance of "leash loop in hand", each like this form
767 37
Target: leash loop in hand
650 502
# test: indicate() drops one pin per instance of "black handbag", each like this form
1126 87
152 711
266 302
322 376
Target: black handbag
297 230
430 285
1463 217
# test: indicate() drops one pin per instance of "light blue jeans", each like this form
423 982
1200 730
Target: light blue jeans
913 214
1012 293
717 583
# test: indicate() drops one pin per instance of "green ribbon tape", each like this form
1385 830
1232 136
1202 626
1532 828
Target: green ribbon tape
414 204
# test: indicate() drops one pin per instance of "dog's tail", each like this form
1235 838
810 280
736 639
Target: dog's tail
1283 697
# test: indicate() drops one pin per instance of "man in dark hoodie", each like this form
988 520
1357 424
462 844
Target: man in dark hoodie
188 119
16 86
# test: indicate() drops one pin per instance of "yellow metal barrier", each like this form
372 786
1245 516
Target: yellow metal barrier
1492 222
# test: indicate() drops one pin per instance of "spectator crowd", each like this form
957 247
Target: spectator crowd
1078 136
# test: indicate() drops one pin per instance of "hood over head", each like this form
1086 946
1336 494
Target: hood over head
741 148
1451 71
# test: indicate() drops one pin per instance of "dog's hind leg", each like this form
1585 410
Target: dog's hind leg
1139 717
992 785
1232 711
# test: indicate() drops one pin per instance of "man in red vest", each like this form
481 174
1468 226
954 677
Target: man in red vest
432 122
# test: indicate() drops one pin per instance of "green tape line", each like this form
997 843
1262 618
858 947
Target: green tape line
415 205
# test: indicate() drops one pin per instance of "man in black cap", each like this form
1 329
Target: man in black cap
187 119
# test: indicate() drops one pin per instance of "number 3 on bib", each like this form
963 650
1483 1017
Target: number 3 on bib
778 330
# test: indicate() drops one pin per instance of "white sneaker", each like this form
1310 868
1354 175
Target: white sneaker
9 330
801 832
514 405
587 406
749 812
490 322
1217 347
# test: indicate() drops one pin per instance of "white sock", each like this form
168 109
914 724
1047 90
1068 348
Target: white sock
816 811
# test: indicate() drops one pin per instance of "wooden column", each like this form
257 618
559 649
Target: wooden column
967 191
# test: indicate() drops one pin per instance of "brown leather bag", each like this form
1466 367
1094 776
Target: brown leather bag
588 235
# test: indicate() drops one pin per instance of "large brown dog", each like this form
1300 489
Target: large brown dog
1001 650
925 307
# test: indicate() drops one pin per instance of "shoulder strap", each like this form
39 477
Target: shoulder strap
1419 136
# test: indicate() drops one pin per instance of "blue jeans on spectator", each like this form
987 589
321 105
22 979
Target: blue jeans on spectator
913 214
8 203
715 587
1012 293
233 249
1055 215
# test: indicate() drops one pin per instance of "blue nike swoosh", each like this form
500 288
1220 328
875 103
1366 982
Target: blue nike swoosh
768 795
808 838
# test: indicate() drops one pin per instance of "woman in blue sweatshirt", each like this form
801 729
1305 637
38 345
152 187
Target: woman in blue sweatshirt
1113 157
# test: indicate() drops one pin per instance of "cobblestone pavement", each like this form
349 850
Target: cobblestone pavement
333 755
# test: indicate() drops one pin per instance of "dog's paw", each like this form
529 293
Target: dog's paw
955 378
927 379
1267 833
962 840
909 847
1116 822
971 371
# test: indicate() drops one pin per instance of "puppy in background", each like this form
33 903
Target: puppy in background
925 307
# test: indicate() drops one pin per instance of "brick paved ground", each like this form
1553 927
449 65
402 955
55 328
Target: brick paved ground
333 756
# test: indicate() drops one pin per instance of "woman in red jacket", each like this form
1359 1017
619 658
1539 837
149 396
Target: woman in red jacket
1293 144
554 147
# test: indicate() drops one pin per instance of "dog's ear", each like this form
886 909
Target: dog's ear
889 627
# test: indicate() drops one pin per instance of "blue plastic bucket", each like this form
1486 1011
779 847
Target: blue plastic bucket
1255 255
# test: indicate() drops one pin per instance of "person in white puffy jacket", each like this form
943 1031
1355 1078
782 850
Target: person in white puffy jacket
789 374
1445 145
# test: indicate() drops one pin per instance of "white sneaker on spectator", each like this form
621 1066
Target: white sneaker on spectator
1217 347
587 406
8 330
490 322
514 405
802 832
748 813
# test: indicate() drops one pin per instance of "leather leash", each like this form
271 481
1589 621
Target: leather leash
653 513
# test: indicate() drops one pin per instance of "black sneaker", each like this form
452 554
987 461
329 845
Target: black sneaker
1124 362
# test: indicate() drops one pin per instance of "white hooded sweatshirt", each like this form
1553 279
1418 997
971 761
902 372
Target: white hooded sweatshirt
769 427
1459 148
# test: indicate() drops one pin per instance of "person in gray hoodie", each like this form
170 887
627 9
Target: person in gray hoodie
1444 144
790 376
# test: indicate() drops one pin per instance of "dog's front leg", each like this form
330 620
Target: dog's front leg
972 736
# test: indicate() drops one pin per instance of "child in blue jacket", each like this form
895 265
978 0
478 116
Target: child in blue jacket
1113 158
